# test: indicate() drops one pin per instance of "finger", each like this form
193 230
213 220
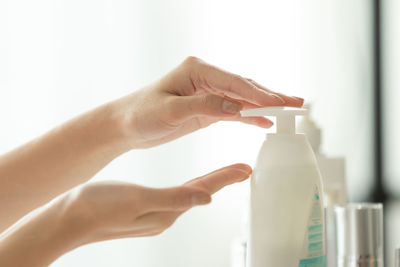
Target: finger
184 107
148 224
247 105
218 179
219 108
219 81
257 121
175 198
291 101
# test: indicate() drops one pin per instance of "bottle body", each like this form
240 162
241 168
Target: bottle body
287 226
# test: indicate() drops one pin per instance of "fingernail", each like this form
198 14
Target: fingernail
278 98
230 107
247 171
200 199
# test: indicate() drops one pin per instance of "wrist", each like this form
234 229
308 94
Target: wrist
42 236
107 128
74 224
79 218
124 117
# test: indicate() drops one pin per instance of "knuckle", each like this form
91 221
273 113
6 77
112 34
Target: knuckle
212 101
235 80
200 183
250 80
182 198
237 77
190 60
206 100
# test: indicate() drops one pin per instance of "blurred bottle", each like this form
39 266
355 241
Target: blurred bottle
334 182
359 235
397 257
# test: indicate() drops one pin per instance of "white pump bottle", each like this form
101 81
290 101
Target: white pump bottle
287 227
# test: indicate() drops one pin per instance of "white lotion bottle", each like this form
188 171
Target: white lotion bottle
287 224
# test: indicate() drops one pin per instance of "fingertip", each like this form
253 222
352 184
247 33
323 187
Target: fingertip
300 101
267 124
215 181
248 168
243 173
258 121
245 168
241 179
294 101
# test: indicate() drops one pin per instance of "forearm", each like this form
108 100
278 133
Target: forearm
70 154
41 237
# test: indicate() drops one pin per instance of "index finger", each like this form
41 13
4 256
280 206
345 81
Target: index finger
218 179
222 82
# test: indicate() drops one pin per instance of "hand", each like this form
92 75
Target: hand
190 97
106 210
110 210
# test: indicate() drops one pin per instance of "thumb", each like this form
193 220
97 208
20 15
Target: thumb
176 198
206 104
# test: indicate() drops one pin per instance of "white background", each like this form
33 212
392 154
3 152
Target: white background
61 58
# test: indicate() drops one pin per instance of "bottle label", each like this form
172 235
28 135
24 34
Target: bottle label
315 239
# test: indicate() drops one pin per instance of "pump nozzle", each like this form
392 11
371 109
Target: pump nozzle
285 117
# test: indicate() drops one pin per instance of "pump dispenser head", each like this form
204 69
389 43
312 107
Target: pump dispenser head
285 117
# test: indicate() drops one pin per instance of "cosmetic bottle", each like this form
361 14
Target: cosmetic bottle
286 221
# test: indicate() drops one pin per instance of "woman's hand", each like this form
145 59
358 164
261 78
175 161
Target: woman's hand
190 97
110 210
106 210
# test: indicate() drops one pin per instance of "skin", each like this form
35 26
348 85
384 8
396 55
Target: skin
190 97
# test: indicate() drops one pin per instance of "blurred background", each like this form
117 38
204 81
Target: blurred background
61 58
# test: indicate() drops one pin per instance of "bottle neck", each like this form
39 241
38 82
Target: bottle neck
286 124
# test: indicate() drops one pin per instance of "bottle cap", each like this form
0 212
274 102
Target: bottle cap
359 234
285 117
